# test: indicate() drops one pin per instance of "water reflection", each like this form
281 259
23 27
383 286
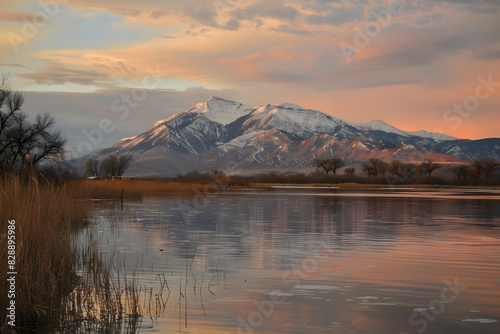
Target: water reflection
315 262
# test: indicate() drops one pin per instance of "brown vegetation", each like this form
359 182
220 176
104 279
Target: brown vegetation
49 293
138 189
43 214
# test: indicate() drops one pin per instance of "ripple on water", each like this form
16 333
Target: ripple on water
316 287
481 320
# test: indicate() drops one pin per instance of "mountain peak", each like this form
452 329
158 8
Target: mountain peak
221 110
434 135
291 106
214 98
378 124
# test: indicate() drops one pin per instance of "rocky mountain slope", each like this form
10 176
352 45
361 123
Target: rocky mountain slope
237 138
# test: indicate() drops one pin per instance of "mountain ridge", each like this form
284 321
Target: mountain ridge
287 137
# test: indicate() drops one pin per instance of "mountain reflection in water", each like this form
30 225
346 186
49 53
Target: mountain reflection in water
315 261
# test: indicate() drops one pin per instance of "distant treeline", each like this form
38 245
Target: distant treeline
483 172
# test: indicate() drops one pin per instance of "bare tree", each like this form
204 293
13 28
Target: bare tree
375 167
123 164
91 168
401 169
332 164
109 167
460 170
24 143
478 164
427 167
370 168
395 167
407 170
322 164
114 166
336 163
382 167
349 171
487 165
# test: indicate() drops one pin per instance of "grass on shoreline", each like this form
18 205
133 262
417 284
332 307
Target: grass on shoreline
137 189
43 214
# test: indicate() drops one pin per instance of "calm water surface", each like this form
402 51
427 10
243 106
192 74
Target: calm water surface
313 261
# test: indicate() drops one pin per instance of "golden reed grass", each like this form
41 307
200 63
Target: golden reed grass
43 213
104 300
137 189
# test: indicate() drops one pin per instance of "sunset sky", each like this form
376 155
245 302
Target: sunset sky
82 60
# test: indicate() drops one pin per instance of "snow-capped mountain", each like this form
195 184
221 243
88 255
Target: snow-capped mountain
227 135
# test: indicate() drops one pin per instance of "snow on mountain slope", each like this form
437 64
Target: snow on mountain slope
296 121
304 123
221 111
291 106
238 142
217 132
438 137
378 125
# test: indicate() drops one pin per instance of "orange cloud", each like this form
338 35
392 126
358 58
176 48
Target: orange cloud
281 51
21 17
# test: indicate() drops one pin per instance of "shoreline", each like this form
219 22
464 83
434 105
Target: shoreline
359 186
137 188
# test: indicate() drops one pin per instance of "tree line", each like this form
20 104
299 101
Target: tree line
108 168
376 167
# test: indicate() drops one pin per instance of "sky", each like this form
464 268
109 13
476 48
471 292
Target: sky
110 69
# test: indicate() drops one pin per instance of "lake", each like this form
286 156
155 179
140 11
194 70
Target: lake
310 261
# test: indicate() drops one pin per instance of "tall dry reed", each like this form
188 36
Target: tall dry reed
138 189
43 213
49 294
104 299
